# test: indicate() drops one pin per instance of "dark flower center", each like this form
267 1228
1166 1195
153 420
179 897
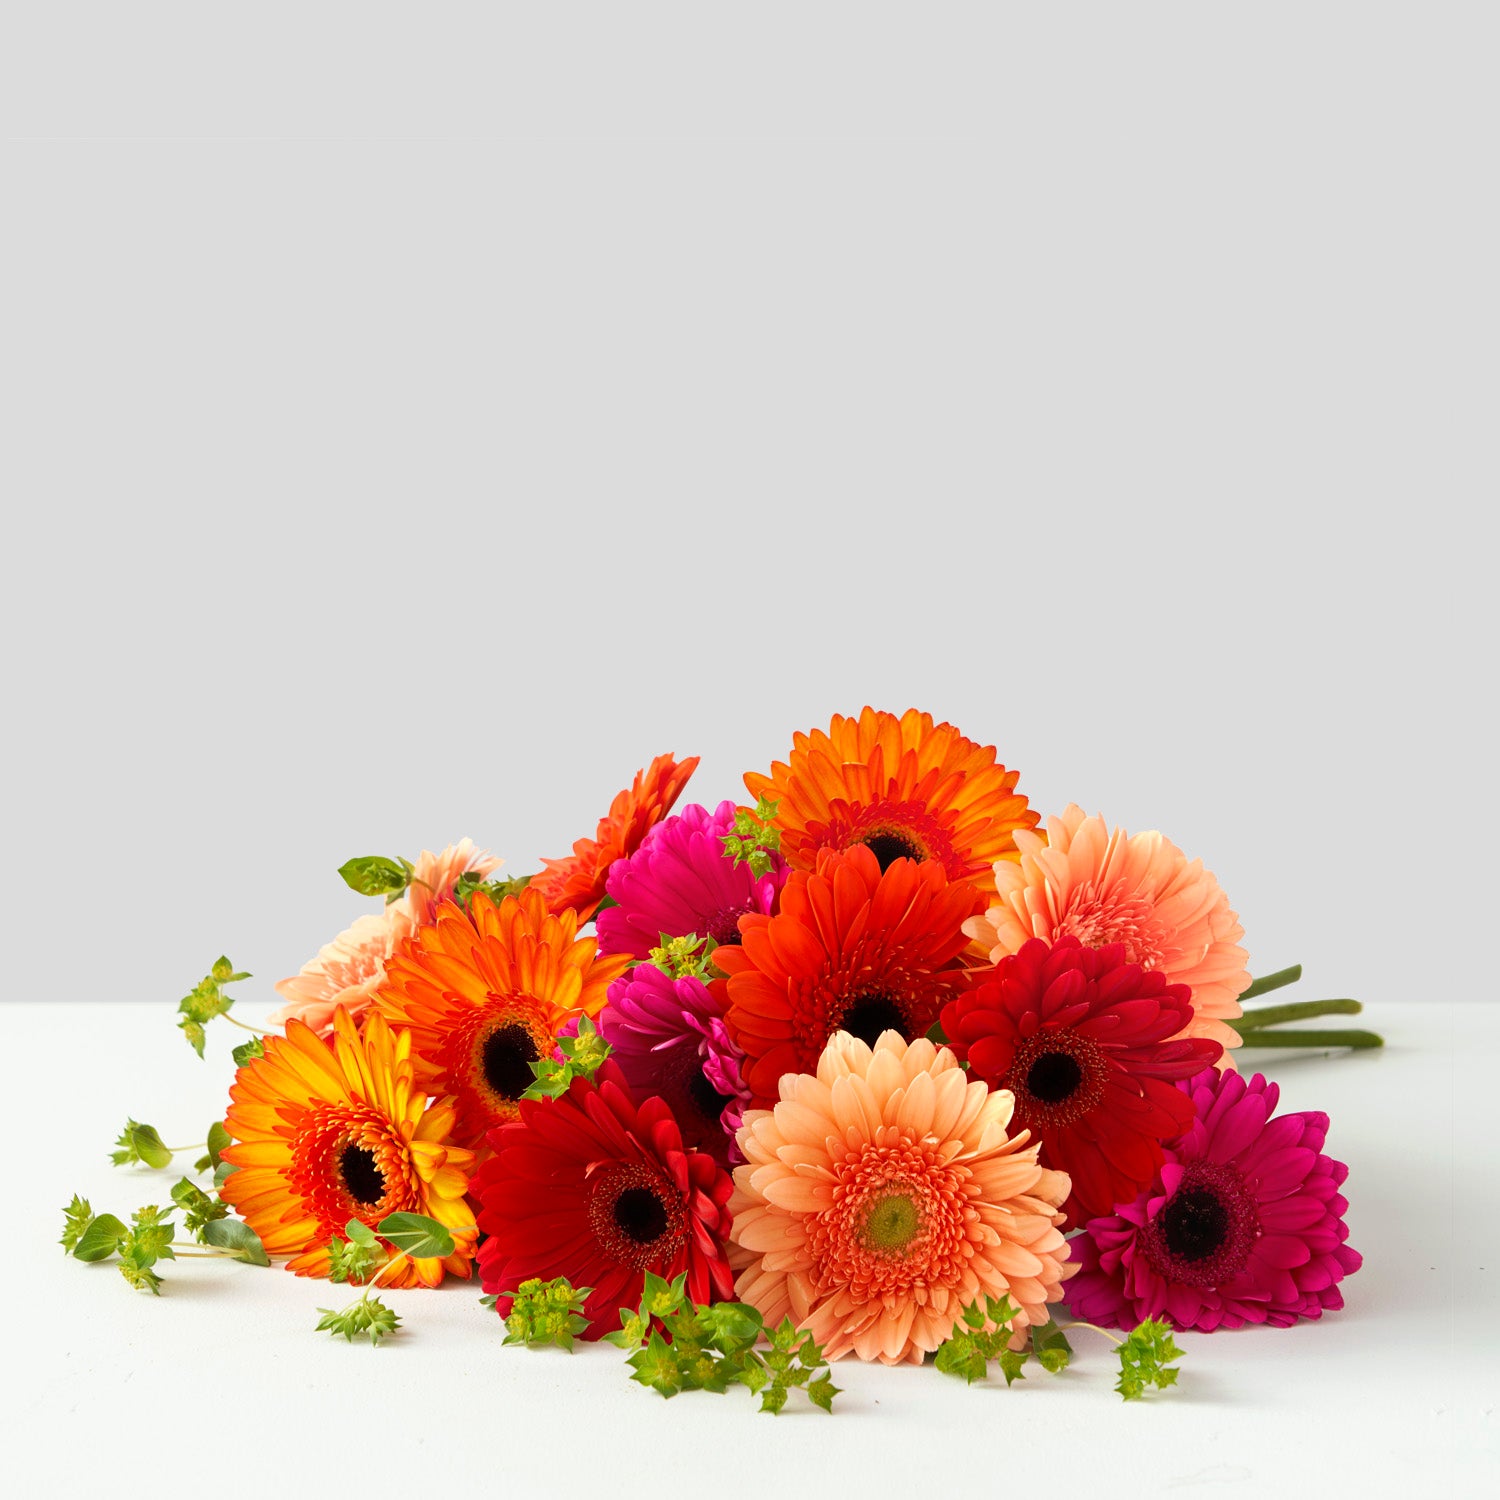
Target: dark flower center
724 926
509 1052
1053 1077
868 1016
363 1178
1195 1223
640 1215
705 1096
888 846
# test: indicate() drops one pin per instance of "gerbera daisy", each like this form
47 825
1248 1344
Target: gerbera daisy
883 1196
905 788
577 882
853 948
1243 1223
435 875
681 881
1079 1037
486 993
331 1130
345 973
660 1029
1101 886
600 1189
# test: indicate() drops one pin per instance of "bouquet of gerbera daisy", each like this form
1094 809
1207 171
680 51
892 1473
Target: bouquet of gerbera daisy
872 1066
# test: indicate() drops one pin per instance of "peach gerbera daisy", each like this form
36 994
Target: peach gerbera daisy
577 882
485 993
906 787
435 875
331 1130
1103 885
346 972
882 1196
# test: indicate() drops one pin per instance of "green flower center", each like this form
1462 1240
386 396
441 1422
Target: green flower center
892 1223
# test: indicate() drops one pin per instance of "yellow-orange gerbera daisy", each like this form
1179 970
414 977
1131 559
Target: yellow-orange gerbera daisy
906 787
1103 885
485 994
577 882
882 1196
331 1130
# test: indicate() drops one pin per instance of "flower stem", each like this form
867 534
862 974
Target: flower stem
1339 1037
1268 982
1299 1010
196 1146
253 1030
1093 1328
183 1253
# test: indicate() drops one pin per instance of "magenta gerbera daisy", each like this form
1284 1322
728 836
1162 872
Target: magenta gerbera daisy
1244 1222
680 881
668 1037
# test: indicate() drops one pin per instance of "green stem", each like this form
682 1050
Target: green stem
374 1281
253 1030
183 1253
178 1150
1358 1040
1269 982
1093 1328
1299 1010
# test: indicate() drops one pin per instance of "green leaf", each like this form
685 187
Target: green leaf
238 1236
822 1391
367 1315
223 972
656 1366
357 1232
77 1217
194 1032
1050 1345
100 1238
1145 1357
374 875
218 1139
356 1263
419 1237
141 1143
248 1051
198 1209
222 1171
136 1269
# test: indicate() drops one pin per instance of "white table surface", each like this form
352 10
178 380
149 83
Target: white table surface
1396 1395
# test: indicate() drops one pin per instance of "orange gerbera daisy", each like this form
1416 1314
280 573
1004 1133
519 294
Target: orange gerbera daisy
331 1130
577 882
883 1196
485 994
854 948
1103 885
904 787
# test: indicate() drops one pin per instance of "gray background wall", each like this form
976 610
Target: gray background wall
407 434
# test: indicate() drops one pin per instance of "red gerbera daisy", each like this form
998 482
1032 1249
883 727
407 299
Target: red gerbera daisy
577 882
601 1190
1079 1037
854 948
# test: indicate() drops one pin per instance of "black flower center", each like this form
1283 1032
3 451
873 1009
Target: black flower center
639 1215
1053 1077
887 847
363 1178
868 1016
1195 1223
705 1096
509 1052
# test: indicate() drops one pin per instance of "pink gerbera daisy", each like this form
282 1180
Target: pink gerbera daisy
661 1032
1104 885
1244 1222
681 881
